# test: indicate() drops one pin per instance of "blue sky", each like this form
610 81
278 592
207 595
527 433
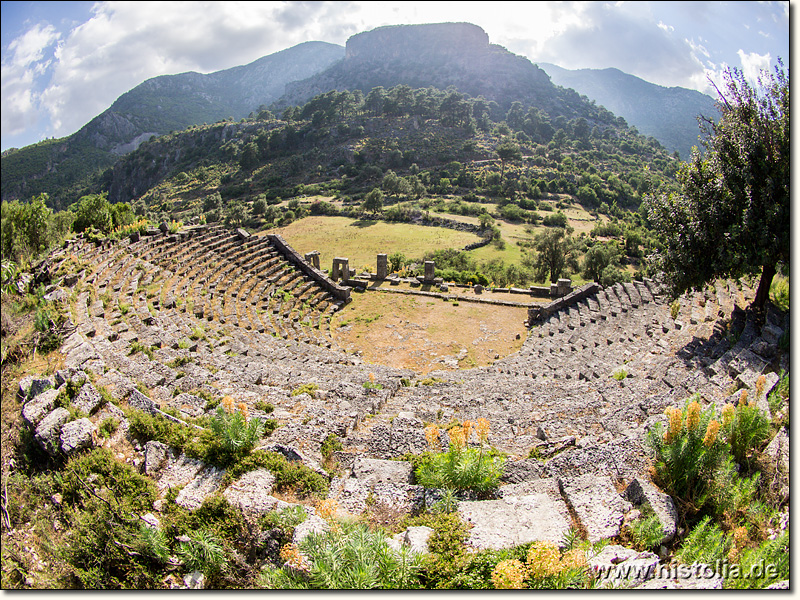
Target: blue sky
63 63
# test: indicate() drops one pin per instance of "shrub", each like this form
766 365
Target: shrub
674 309
232 430
761 566
688 453
779 293
647 531
290 476
706 544
306 388
347 557
203 552
746 428
461 467
331 444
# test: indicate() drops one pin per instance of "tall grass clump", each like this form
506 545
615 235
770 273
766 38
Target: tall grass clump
461 467
347 556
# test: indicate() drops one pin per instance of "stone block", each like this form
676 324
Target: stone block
48 431
371 471
597 504
620 567
540 515
207 481
251 492
35 410
641 491
76 435
88 399
382 266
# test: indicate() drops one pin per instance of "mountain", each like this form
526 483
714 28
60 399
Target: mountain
155 107
668 114
431 55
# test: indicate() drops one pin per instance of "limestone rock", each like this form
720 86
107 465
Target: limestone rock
597 504
371 471
205 483
76 435
88 399
48 431
778 451
155 455
313 524
251 492
415 538
36 409
641 491
620 567
139 401
514 520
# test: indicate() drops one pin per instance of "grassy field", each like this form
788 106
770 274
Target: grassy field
427 334
361 241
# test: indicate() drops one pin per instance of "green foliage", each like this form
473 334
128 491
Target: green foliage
290 476
461 467
747 432
554 255
373 201
29 229
779 293
350 556
647 531
731 217
202 552
306 388
674 309
762 566
233 432
620 374
684 465
706 544
331 444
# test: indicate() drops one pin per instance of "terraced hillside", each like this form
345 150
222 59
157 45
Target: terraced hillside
209 313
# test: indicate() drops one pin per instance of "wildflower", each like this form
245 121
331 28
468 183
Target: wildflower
467 426
227 404
243 409
711 433
482 430
508 575
372 377
743 398
675 423
760 385
544 560
740 539
290 554
432 436
727 414
693 415
574 559
457 436
327 510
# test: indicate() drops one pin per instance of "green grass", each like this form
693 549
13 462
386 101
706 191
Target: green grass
361 241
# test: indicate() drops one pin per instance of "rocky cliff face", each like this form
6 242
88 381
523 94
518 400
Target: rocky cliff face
437 55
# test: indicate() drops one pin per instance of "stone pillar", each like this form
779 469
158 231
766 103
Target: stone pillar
312 258
383 266
340 269
564 287
554 290
430 267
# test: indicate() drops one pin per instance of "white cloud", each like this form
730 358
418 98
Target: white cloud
24 61
753 64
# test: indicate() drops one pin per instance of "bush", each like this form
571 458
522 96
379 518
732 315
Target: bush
688 454
461 467
705 544
347 557
233 432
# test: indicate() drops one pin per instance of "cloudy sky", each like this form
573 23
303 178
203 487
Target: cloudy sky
65 62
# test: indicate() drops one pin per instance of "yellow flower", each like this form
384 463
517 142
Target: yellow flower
457 436
508 575
760 385
692 416
432 436
243 409
727 414
544 560
483 430
227 404
372 377
675 423
743 398
467 426
290 554
711 433
574 559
